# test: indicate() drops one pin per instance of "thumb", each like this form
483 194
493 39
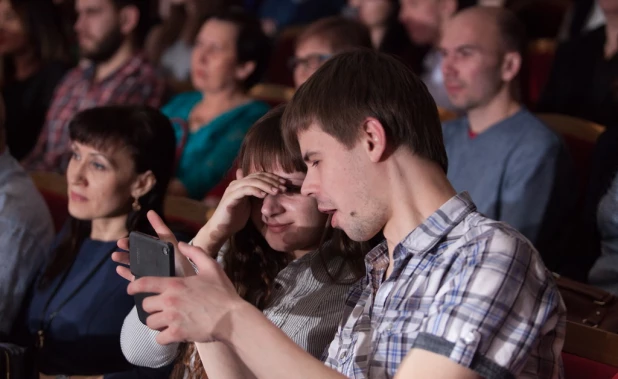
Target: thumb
239 174
199 258
164 233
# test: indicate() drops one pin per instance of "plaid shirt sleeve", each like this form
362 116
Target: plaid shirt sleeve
492 315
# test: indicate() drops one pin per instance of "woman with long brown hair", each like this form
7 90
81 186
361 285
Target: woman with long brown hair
282 256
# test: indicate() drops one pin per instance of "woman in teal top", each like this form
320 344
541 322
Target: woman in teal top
230 54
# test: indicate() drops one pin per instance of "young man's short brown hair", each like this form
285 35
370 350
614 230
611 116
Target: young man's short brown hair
358 84
338 32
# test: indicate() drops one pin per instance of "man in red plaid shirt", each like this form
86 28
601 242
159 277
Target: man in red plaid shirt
109 34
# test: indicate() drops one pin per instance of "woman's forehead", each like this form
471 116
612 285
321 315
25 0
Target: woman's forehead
278 170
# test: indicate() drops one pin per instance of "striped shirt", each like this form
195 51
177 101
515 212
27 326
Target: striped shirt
134 83
305 304
463 286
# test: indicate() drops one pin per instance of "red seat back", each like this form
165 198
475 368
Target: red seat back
582 368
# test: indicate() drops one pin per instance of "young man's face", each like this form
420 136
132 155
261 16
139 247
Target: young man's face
340 179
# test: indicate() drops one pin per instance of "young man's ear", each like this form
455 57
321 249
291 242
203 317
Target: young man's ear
511 64
143 184
373 139
129 19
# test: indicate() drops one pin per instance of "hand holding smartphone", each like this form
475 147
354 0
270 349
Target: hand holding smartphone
149 256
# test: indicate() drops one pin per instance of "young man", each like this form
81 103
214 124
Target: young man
110 34
26 233
449 294
515 168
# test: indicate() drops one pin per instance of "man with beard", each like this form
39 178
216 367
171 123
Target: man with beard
514 167
110 34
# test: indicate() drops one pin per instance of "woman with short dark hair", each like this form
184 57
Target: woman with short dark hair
122 161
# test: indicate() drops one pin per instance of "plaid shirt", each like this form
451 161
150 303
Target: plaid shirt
463 286
134 83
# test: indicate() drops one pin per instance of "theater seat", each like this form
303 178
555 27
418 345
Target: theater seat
273 94
580 136
446 115
278 71
185 215
53 188
582 368
541 54
589 353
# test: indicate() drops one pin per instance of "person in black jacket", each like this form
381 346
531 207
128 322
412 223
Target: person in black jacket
584 78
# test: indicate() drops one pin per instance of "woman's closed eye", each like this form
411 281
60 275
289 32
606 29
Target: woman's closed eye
292 189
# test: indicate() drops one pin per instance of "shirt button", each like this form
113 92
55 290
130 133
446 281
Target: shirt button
470 338
343 355
389 327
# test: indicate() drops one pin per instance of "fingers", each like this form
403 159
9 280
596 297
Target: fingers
121 257
158 320
197 256
125 272
123 244
149 284
267 182
164 233
168 336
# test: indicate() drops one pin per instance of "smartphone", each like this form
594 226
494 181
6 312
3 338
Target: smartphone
149 256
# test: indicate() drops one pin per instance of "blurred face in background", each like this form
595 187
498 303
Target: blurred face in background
474 65
214 62
374 13
13 35
423 19
309 55
98 29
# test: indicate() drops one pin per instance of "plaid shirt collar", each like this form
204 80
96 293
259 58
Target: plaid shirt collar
131 66
424 237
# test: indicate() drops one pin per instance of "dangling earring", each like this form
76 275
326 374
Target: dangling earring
136 206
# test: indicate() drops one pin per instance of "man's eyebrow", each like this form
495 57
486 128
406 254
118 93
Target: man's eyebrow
468 47
308 155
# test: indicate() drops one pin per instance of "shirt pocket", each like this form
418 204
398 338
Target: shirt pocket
354 341
396 334
400 322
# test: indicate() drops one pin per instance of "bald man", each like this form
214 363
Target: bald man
514 167
26 232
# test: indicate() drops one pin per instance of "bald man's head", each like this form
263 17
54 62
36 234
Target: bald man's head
481 49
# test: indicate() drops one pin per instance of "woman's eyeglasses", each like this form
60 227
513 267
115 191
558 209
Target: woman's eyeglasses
312 61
